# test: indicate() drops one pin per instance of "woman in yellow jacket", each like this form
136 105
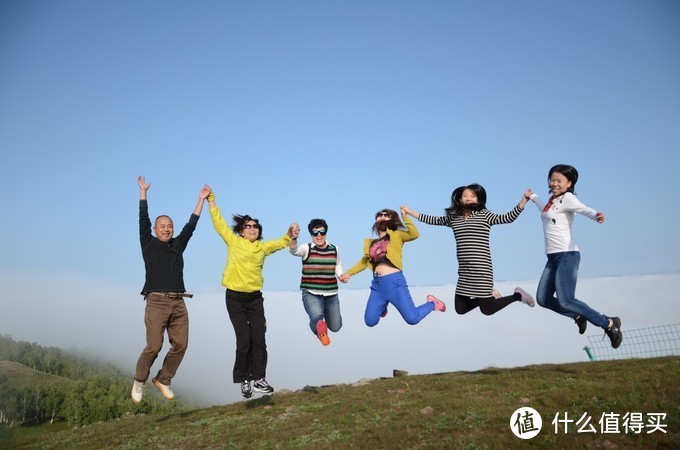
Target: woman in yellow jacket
243 279
383 256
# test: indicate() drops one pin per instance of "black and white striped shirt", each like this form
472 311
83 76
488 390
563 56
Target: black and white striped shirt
475 271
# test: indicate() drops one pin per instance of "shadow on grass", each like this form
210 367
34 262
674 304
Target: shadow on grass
265 400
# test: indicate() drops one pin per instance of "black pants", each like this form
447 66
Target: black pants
246 312
487 305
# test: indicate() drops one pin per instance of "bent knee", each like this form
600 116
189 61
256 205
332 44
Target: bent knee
371 322
486 311
412 320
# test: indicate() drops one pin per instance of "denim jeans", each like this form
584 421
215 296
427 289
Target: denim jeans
559 277
393 289
322 307
163 314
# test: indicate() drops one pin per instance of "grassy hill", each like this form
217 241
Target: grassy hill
461 410
22 376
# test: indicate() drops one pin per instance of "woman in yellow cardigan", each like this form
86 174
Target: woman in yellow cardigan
383 256
243 279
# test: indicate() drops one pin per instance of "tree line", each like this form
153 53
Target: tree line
59 386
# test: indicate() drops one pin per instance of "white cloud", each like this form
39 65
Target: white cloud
101 318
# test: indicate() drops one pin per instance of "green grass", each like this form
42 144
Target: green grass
459 410
23 376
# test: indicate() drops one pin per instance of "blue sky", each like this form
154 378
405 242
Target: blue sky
303 109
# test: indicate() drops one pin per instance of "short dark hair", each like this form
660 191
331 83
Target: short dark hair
569 172
317 223
240 221
162 215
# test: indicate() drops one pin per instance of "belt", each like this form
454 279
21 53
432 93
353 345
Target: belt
175 294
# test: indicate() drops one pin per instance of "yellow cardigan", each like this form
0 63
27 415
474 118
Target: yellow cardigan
243 272
394 248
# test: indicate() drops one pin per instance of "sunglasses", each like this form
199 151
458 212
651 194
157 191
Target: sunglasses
383 214
248 226
321 232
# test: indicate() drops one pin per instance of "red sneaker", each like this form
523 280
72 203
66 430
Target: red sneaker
322 332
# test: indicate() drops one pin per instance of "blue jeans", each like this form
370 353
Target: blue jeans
322 307
393 289
559 277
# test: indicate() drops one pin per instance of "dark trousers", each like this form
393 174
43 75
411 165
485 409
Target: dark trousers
246 312
487 305
161 314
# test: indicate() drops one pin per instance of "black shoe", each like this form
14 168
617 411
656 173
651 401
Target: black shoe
246 391
614 332
262 387
582 324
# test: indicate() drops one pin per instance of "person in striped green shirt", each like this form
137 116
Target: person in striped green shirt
321 267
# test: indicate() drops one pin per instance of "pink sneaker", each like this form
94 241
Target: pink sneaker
438 304
525 297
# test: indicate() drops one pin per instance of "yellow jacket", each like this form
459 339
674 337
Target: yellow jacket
394 248
243 272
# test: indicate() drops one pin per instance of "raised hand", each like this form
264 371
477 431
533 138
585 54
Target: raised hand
293 230
143 185
205 192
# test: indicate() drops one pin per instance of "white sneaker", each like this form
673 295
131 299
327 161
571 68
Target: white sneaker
164 388
137 392
525 297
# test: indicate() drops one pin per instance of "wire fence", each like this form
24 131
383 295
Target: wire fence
663 340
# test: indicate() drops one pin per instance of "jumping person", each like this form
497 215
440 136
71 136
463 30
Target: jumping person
557 286
164 293
384 256
471 223
245 304
319 284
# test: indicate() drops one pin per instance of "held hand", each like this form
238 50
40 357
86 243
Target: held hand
406 210
294 230
211 195
599 217
205 191
344 277
525 197
143 185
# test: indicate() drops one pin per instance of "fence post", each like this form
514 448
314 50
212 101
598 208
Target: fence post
590 354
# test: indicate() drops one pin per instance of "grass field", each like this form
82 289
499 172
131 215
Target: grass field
458 410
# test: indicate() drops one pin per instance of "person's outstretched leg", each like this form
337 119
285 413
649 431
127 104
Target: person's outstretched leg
399 295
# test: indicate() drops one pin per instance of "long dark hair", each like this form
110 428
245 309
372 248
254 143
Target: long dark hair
393 224
240 221
569 172
458 209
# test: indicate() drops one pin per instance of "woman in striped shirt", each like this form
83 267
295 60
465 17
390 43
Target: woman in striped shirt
471 223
